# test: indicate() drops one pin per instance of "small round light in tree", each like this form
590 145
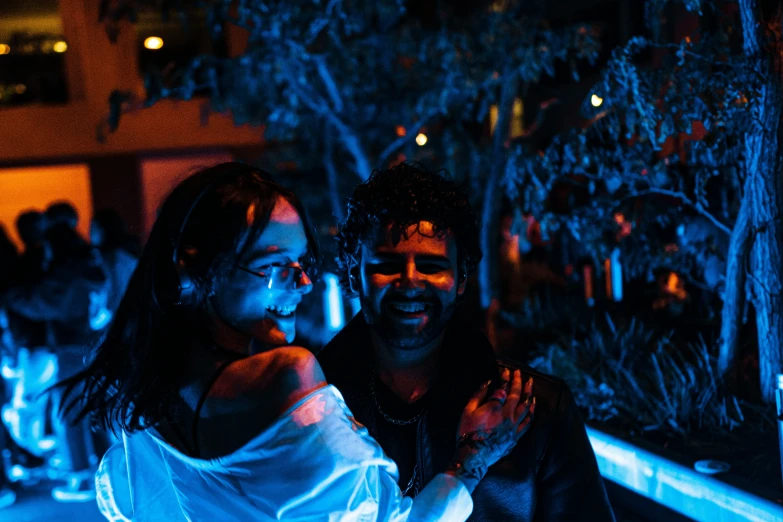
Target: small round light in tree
421 139
60 47
5 48
153 43
596 100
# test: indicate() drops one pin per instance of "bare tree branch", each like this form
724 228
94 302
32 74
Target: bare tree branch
331 87
687 201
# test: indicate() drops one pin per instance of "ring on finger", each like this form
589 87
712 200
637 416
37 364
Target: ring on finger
499 395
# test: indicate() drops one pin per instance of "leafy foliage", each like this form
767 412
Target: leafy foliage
663 148
635 376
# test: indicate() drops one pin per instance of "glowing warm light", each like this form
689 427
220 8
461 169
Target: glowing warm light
625 226
21 88
24 188
517 121
596 100
400 131
588 278
60 47
153 43
675 286
5 48
421 139
493 118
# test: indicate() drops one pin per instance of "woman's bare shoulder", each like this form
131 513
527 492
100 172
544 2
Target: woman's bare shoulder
280 376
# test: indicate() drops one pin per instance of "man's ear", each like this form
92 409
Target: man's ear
462 279
353 276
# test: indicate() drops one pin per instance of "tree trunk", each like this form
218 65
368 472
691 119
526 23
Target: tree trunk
734 292
765 166
487 271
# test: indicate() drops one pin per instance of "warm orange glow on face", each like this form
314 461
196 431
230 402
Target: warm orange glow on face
410 252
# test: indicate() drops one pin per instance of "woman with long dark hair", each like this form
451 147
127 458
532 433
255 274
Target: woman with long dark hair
220 418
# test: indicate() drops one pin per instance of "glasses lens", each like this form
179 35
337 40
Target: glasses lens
284 276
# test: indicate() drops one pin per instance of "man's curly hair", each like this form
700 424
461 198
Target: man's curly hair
404 195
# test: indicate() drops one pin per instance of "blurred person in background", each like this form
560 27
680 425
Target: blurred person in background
71 298
27 358
120 251
62 213
31 226
9 259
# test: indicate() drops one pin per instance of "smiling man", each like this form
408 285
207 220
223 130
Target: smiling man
409 362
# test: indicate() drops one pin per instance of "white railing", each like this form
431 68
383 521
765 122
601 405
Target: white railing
678 487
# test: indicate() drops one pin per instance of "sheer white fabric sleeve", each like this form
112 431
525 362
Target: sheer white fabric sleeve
315 464
325 466
111 486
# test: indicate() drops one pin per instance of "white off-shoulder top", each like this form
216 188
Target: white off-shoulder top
314 463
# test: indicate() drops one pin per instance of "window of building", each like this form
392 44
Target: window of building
32 53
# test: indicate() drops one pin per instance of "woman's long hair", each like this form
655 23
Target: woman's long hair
210 219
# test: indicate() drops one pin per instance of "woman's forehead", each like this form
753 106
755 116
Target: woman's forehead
284 213
283 235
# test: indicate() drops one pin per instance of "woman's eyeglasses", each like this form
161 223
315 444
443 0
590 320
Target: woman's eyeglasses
280 277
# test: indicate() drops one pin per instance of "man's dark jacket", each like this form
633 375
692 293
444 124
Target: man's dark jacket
550 476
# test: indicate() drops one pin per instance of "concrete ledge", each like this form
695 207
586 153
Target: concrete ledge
676 486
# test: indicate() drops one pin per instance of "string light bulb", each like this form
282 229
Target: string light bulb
5 48
596 100
421 139
153 43
60 47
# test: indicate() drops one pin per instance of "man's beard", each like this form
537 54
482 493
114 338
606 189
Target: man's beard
405 337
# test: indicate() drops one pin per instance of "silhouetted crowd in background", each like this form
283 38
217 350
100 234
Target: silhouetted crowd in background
56 297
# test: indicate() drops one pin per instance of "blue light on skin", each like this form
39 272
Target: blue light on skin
680 488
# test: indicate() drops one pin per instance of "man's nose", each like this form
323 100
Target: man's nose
410 280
